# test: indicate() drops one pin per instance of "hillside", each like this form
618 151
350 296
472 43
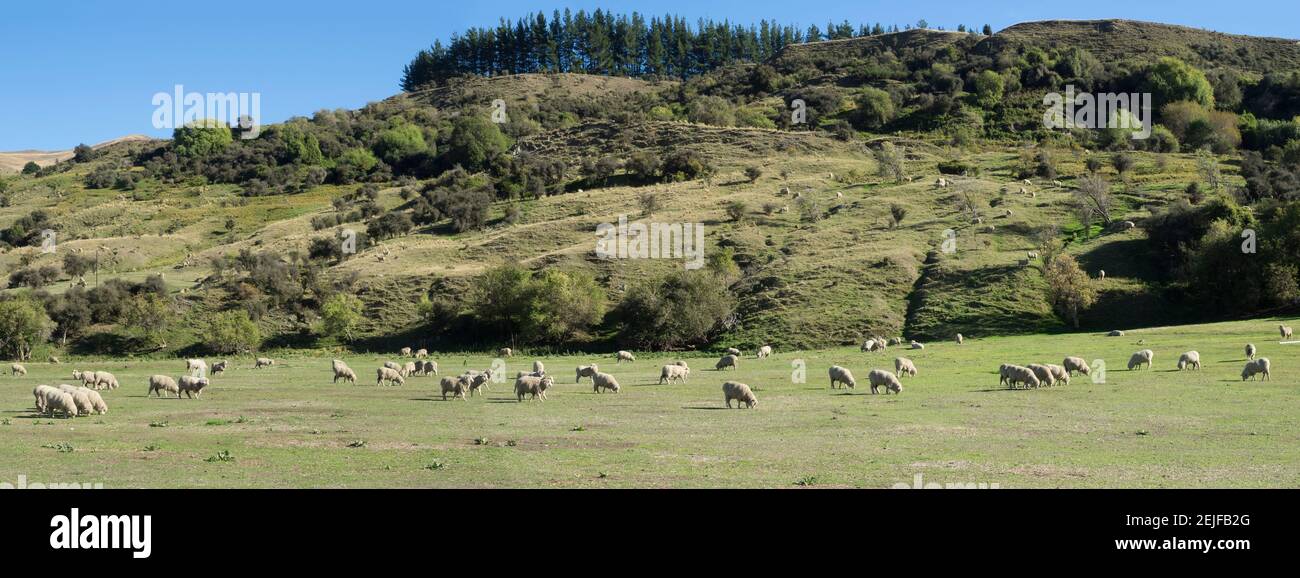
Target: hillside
12 162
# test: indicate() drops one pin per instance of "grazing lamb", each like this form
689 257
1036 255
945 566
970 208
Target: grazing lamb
478 380
263 362
1189 360
1021 375
1250 351
671 373
196 367
105 380
764 351
1259 366
18 369
622 356
1146 356
904 366
430 367
191 386
405 352
1076 364
1004 373
602 381
390 375
960 339
727 360
539 368
739 392
421 353
896 341
96 400
79 398
1060 374
534 387
41 392
1043 373
456 386
1101 274
840 375
879 377
586 371
1286 331
409 369
505 352
161 383
55 360
220 367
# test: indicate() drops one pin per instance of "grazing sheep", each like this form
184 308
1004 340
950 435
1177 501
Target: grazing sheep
535 387
105 380
505 352
671 373
960 339
430 367
1257 367
1060 374
916 345
681 363
390 375
87 378
58 401
263 362
405 352
739 392
478 380
733 351
1286 331
868 345
1043 373
874 344
393 365
456 386
79 398
879 377
539 368
1250 351
904 366
586 371
1076 364
196 366
1021 375
895 340
342 371
727 360
1004 373
840 375
409 369
17 369
96 400
1115 333
604 381
622 356
220 367
1142 357
764 351
40 392
1101 274
1189 360
162 383
421 353
191 386
55 360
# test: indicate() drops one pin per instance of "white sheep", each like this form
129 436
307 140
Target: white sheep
840 375
41 392
478 380
739 392
904 366
390 375
456 386
1101 274
727 360
1189 360
104 380
393 365
1260 366
96 400
263 362
733 351
1043 373
1146 356
421 353
539 368
622 356
79 398
196 366
586 371
879 377
960 339
342 371
535 387
161 383
1060 374
1016 374
1250 351
409 369
1286 331
220 367
1076 364
764 351
917 345
18 369
602 381
58 401
191 386
673 372
405 352
505 352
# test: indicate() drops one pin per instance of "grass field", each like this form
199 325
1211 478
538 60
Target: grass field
289 427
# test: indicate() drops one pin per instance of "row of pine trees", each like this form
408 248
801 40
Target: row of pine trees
604 43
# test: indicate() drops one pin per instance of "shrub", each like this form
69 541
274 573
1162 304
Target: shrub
230 332
684 308
202 138
685 165
339 316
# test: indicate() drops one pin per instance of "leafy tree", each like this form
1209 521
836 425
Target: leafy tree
684 308
1069 288
77 264
875 109
340 315
202 138
31 168
230 332
83 153
474 141
397 144
148 316
1171 80
23 325
989 87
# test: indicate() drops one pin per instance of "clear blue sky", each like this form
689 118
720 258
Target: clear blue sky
84 71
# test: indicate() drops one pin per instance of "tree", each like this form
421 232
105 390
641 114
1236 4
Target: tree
474 141
753 173
1069 288
340 315
1093 196
897 213
889 160
397 144
875 109
202 138
31 168
148 315
77 264
83 153
736 210
23 325
682 309
989 87
1171 80
231 332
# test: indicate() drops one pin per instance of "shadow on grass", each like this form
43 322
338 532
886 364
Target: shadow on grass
706 407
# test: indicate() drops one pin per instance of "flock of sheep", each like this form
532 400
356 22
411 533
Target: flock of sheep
72 401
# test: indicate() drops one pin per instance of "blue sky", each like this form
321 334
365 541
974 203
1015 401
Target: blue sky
85 71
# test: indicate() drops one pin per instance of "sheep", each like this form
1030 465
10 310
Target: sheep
79 398
1142 357
58 401
873 344
105 380
764 351
916 345
1250 351
393 365
622 356
539 368
421 353
96 400
220 367
162 383
41 392
55 360
191 386
585 371
1043 373
1076 364
390 375
739 392
87 377
456 386
727 361
263 362
671 373
505 352
1115 333
196 366
681 363
478 381
1101 274
960 339
17 369
409 369
405 352
1189 360
1016 374
904 366
604 381
895 340
1004 373
733 351
1257 367
879 377
1286 331
430 367
941 183
1060 374
841 376
342 371
535 387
